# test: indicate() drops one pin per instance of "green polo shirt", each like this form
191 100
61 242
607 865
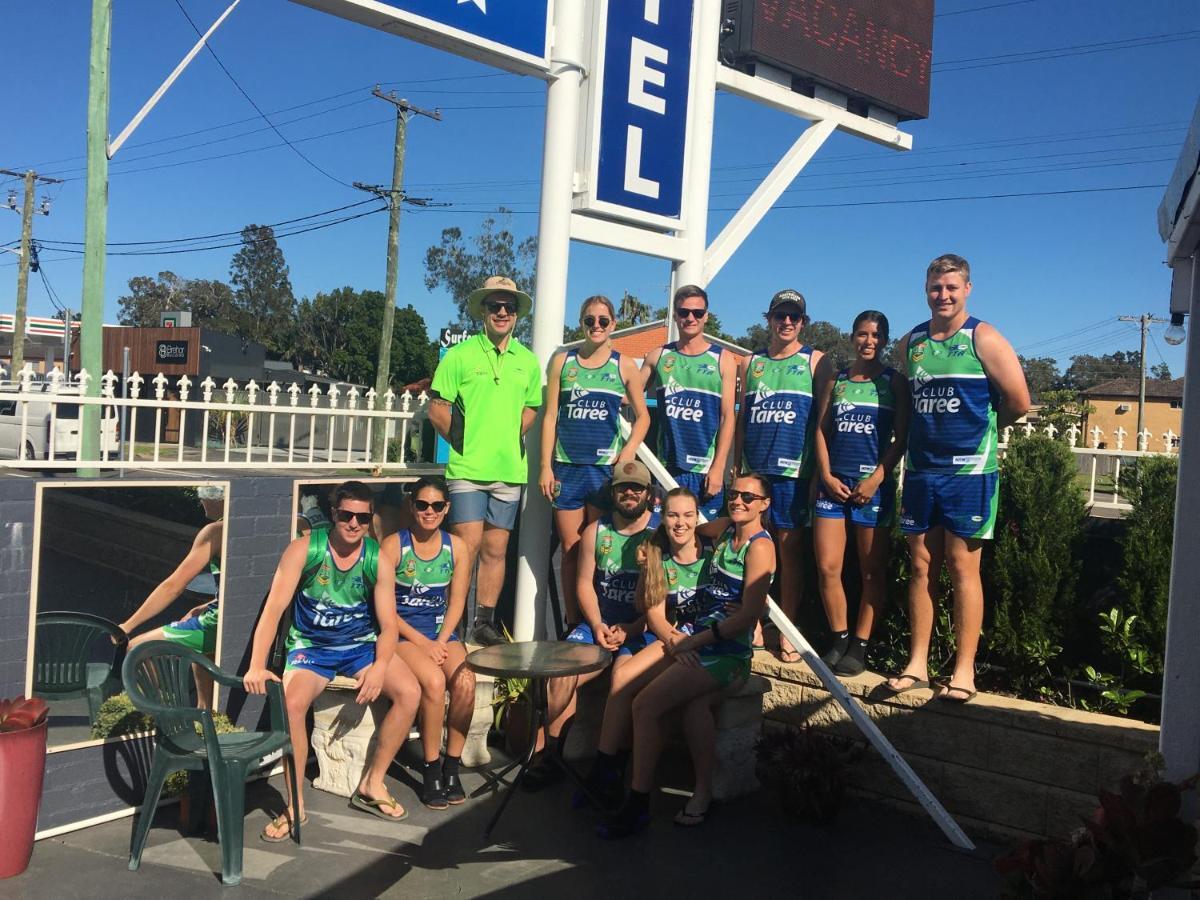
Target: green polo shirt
488 391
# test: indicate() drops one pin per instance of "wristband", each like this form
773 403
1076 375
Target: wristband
716 632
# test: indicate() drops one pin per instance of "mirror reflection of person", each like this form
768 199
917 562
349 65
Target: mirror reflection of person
312 514
198 629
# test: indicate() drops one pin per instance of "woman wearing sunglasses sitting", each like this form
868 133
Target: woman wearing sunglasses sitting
706 663
431 594
581 434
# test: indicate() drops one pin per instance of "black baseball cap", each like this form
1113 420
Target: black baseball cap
790 298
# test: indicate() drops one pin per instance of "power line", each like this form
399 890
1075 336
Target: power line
975 9
1004 59
250 100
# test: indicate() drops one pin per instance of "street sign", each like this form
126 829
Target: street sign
449 336
509 34
636 123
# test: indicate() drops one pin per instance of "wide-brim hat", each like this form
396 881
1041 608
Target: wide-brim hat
498 284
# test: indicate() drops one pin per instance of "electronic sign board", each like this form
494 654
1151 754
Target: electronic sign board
878 52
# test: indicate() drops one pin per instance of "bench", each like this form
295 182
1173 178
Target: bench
738 719
343 735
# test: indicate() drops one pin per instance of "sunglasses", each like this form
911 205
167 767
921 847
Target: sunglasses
346 517
495 306
747 496
630 486
436 505
690 312
592 321
787 317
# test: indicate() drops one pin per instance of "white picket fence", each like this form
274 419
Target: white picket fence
254 427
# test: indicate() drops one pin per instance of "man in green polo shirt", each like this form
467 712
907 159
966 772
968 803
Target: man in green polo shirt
486 392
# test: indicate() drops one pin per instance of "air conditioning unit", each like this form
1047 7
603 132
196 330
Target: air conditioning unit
1122 407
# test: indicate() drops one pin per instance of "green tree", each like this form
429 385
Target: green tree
338 335
1032 570
460 264
210 302
264 305
1087 371
630 312
1062 408
1041 374
1149 532
1161 371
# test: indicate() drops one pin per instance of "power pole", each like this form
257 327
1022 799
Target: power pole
1146 321
395 197
31 180
95 230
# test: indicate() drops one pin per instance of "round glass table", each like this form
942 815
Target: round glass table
536 661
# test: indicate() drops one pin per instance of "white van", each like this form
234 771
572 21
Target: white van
34 404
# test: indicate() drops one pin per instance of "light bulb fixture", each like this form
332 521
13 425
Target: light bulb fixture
1176 334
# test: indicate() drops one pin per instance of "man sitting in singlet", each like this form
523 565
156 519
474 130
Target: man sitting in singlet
607 591
342 585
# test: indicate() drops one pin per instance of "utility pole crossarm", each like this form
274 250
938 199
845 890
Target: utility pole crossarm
403 106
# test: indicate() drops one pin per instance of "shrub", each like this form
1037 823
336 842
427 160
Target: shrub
806 770
1145 577
1033 568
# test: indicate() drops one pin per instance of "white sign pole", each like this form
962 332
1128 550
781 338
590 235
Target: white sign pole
550 292
697 169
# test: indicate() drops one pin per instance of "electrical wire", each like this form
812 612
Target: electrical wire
250 100
1005 59
975 9
50 291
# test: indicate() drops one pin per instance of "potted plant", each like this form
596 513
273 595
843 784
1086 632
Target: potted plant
806 770
22 767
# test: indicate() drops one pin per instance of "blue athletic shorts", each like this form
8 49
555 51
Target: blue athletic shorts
710 507
482 506
964 504
582 634
577 485
789 502
879 512
330 661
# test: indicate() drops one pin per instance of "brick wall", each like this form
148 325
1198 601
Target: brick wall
1003 768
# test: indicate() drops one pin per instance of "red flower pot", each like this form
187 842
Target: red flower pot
22 767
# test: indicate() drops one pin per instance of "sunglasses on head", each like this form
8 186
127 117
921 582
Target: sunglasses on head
782 316
436 505
593 321
690 312
346 517
746 496
495 306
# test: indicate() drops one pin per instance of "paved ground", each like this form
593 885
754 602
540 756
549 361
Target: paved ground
540 849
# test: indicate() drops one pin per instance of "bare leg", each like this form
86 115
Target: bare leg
963 556
300 688
570 524
675 687
630 675
401 687
461 681
700 732
925 551
560 700
829 546
490 577
471 534
791 579
430 677
873 547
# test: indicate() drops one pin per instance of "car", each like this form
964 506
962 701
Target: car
32 408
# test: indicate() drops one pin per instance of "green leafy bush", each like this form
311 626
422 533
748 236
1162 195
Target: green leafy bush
1145 577
1032 569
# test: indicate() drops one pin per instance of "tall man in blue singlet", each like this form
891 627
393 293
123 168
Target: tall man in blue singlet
966 384
694 382
342 587
774 437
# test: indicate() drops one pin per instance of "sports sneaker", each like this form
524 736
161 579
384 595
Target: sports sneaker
624 824
487 634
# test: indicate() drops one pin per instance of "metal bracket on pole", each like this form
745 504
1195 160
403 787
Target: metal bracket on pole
836 689
760 202
165 86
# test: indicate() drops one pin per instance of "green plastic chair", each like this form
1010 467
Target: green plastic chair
62 667
158 679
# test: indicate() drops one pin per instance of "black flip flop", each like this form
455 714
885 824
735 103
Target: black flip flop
917 685
946 695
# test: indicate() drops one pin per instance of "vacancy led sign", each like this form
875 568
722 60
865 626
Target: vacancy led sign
636 113
877 52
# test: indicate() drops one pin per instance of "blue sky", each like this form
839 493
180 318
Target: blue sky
1051 271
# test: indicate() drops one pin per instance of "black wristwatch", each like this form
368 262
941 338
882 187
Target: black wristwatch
716 632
